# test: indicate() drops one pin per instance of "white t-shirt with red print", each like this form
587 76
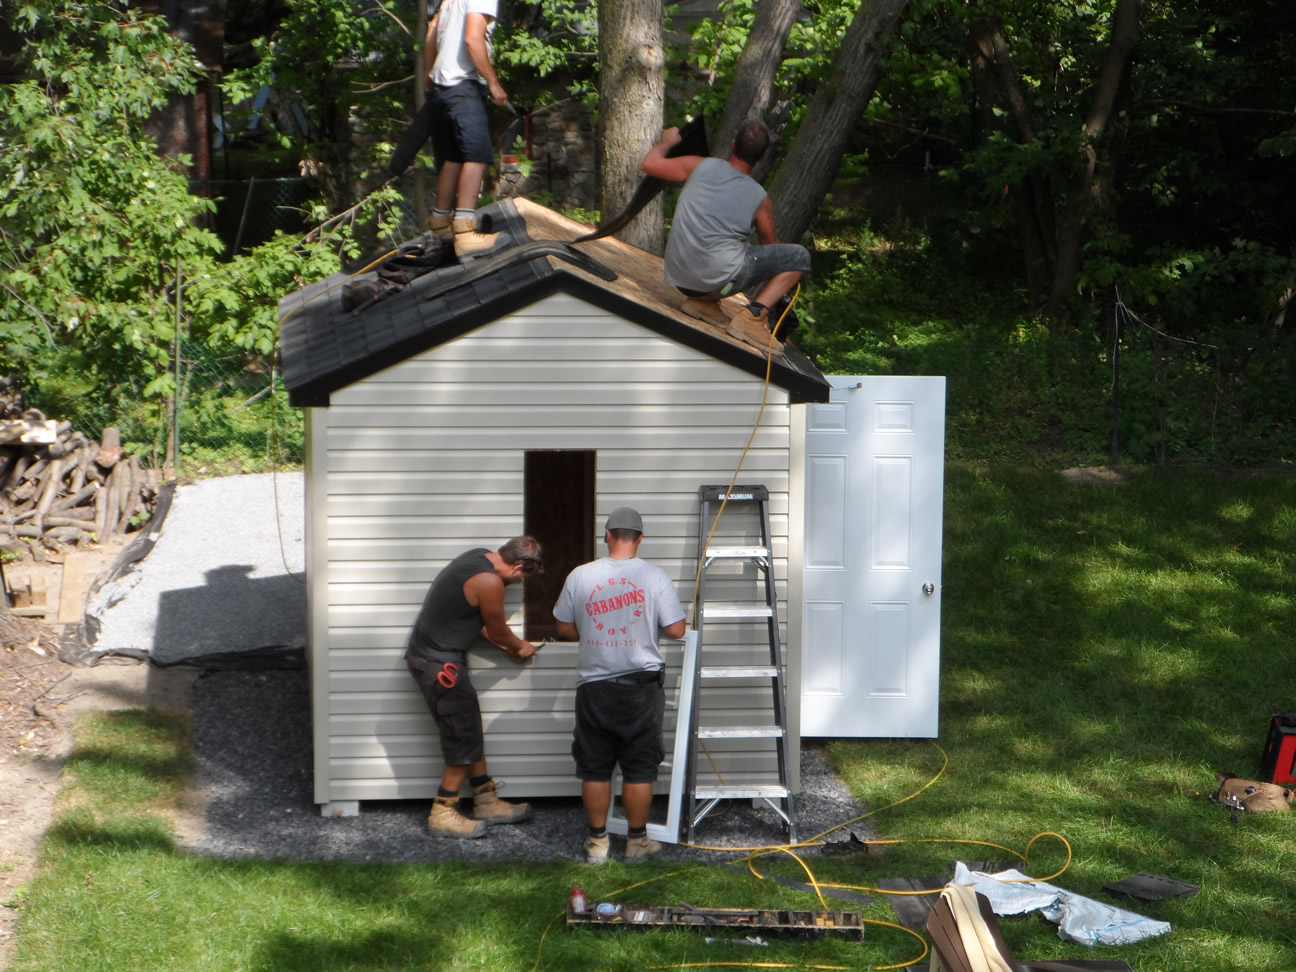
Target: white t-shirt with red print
619 608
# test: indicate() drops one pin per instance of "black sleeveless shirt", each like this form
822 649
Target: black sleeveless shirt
447 624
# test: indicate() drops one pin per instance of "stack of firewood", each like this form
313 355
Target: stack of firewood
59 487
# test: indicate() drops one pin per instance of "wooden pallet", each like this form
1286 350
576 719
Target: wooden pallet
809 924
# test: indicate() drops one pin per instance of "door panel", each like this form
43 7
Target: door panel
870 617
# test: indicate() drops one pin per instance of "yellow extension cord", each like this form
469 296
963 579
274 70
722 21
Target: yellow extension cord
816 841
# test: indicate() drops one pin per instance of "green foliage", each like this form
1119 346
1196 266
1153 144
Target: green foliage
105 273
702 65
332 58
918 300
96 227
549 37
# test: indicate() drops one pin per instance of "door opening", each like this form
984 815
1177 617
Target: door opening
558 510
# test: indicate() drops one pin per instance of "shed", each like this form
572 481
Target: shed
528 391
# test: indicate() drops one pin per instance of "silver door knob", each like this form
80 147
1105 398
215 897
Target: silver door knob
929 588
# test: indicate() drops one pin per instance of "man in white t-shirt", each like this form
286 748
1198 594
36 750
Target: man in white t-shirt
458 72
615 607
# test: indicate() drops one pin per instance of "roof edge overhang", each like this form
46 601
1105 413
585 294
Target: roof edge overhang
796 373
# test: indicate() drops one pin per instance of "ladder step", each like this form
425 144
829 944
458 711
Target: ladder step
738 671
741 732
770 791
736 553
737 611
738 494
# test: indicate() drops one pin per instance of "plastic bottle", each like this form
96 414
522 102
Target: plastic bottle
577 900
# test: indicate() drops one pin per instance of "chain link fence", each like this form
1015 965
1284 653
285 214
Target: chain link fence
249 211
229 414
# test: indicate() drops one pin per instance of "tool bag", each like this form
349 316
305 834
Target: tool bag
414 259
410 262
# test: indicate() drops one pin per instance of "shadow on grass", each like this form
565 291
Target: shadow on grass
134 742
79 827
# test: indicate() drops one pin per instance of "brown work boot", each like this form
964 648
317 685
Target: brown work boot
753 329
596 849
442 226
705 310
467 241
489 808
642 848
745 316
447 820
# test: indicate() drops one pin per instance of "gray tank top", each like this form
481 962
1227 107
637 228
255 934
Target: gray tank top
712 225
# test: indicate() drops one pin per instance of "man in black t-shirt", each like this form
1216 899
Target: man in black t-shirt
465 602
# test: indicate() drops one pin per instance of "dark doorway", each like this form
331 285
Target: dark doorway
559 512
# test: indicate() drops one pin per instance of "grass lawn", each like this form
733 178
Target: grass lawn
1105 650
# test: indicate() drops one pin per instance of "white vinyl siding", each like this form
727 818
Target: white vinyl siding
417 463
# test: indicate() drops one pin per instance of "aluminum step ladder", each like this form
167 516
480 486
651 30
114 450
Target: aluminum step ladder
713 550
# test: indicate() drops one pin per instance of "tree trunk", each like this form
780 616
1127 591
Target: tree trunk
631 106
1098 135
753 81
996 83
807 173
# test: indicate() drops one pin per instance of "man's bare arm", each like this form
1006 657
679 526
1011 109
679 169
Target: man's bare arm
475 41
567 631
764 220
656 163
486 592
675 630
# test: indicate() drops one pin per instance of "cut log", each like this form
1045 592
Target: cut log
101 500
76 499
131 499
110 449
53 484
24 491
66 519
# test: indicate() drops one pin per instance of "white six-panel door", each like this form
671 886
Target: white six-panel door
870 582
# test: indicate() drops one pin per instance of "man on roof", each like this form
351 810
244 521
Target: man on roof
709 254
465 602
460 77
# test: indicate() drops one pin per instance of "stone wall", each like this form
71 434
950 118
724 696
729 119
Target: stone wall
564 170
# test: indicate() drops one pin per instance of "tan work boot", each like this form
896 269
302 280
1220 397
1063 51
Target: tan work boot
642 848
753 330
467 241
747 317
446 820
704 310
489 808
596 850
442 226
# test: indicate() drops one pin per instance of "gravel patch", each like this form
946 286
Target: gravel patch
222 582
233 541
252 743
